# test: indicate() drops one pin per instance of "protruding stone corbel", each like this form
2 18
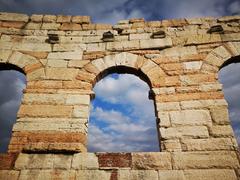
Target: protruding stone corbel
108 36
53 39
158 35
216 29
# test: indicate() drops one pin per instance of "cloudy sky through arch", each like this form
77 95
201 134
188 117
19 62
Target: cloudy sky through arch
111 11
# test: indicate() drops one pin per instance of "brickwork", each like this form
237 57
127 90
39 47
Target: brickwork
64 56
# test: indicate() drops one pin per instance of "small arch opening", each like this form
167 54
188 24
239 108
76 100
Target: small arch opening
122 117
12 83
229 76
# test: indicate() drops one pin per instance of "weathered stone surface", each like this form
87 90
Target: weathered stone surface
81 111
184 131
9 174
190 117
92 174
203 160
220 115
61 73
169 106
221 131
151 160
13 17
85 161
214 174
74 99
65 55
156 43
137 174
171 175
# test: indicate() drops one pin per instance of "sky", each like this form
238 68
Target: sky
111 116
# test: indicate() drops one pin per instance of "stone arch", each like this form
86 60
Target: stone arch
29 65
125 62
222 56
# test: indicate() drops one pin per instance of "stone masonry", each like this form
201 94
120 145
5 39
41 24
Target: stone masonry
64 56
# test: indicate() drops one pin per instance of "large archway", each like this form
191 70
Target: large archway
13 82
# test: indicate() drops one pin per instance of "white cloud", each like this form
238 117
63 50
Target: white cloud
234 7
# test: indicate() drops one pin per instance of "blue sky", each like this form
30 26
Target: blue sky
116 108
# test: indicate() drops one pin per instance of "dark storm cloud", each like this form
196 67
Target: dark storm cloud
11 85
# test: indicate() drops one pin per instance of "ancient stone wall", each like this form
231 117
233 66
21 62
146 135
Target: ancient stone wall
64 56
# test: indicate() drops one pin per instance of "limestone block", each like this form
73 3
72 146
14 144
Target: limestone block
190 117
34 161
137 174
41 98
209 144
139 36
164 90
164 119
78 63
71 40
32 47
124 45
197 104
49 18
96 47
184 131
156 43
4 55
36 75
32 25
61 73
99 64
92 69
63 19
151 160
211 87
213 174
66 55
81 19
36 18
171 175
47 174
192 65
57 63
220 115
222 131
214 60
71 27
92 39
222 52
168 106
93 174
13 17
124 58
9 174
203 160
81 111
61 161
180 51
22 60
230 37
69 47
50 26
74 99
233 47
85 161
196 79
85 76
44 111
171 145
203 39
147 66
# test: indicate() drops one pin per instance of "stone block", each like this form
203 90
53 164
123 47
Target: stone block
221 131
61 73
13 17
81 19
36 75
184 131
211 87
203 160
63 18
196 79
180 51
9 174
61 161
50 26
164 119
156 43
93 174
190 117
209 144
36 18
65 55
213 174
171 145
137 174
58 63
49 18
43 98
70 27
74 99
34 161
37 47
168 106
81 111
197 104
171 175
69 47
85 161
151 160
21 59
164 90
192 65
139 36
45 111
220 115
4 55
124 45
47 174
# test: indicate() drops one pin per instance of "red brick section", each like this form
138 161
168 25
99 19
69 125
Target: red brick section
114 175
7 160
119 160
19 139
